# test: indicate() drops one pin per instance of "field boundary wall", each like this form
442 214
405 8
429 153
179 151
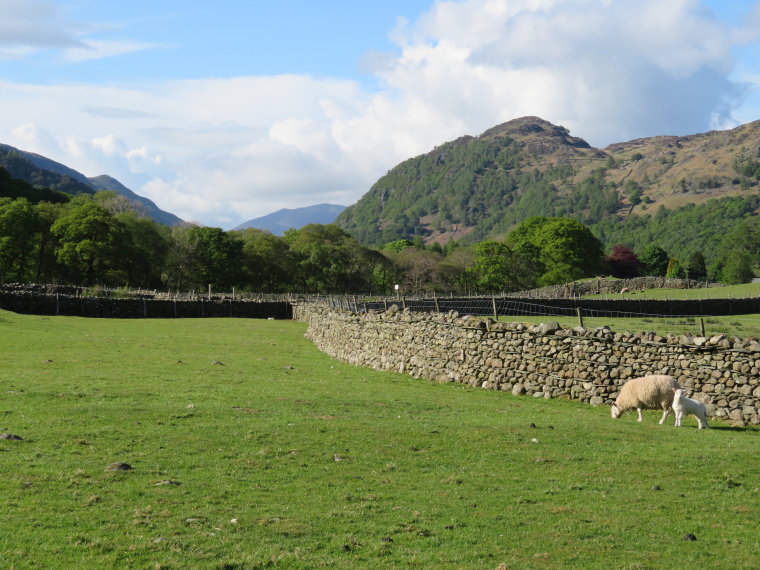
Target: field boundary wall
31 302
542 361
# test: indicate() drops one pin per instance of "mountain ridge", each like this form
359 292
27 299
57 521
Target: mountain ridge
58 176
480 187
286 218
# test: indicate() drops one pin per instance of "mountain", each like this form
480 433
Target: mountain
40 171
282 220
474 188
105 182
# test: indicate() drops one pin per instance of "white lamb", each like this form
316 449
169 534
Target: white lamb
646 393
683 406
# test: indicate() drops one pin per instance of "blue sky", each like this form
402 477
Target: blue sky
224 111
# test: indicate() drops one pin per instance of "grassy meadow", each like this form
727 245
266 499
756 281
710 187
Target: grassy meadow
279 457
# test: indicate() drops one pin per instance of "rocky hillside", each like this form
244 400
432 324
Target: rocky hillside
479 187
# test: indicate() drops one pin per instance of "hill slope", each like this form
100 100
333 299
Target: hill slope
479 187
42 172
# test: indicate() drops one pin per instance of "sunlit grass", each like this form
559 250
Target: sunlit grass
279 457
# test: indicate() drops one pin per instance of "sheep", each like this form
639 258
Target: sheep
646 393
683 406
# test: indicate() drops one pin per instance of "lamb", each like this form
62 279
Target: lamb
646 393
683 406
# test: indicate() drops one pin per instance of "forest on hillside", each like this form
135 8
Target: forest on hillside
475 189
104 239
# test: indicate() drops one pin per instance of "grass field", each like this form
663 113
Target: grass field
280 457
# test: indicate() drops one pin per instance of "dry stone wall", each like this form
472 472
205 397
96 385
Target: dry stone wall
542 361
603 286
31 302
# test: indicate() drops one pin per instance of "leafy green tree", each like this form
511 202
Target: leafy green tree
565 248
91 244
655 260
269 264
217 259
181 246
398 245
145 256
737 268
19 225
695 266
675 270
498 268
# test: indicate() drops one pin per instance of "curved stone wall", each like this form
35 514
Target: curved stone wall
542 361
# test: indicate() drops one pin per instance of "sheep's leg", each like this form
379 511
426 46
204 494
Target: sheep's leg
664 416
679 417
639 411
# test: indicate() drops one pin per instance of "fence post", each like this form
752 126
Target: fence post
385 305
437 306
356 307
403 303
145 308
580 316
702 326
209 291
203 311
495 312
57 304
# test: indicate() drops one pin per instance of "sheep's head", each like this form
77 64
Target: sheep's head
677 394
616 413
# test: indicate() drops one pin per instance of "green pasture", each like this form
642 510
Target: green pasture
279 457
731 291
742 326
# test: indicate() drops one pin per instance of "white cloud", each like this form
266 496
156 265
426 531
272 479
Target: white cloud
31 25
99 49
225 150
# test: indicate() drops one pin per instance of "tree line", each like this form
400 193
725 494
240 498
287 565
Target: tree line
104 239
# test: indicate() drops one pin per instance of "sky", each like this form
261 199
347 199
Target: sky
224 111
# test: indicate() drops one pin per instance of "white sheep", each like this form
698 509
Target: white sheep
683 406
646 393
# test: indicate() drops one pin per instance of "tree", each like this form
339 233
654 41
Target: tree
92 243
268 263
498 268
655 260
565 248
19 224
398 245
675 271
695 266
623 262
146 257
737 269
181 246
217 260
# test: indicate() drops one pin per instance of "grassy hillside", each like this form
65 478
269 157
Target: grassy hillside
280 457
635 193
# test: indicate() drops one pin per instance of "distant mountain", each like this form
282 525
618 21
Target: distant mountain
105 182
40 171
684 192
282 220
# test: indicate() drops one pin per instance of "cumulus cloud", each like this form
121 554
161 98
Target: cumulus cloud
222 151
